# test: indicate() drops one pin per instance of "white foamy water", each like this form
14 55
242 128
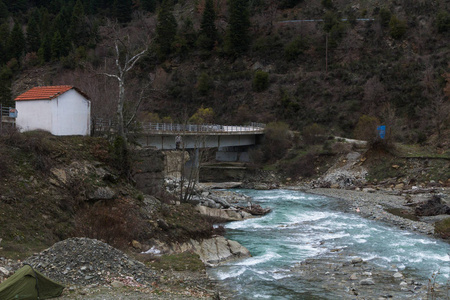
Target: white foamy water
303 226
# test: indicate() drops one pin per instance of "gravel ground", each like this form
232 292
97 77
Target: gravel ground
91 269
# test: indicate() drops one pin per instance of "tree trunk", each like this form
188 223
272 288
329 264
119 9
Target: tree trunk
120 103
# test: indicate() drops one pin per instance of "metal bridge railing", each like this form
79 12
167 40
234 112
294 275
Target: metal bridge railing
212 128
101 125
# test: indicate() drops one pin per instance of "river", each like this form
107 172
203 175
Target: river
303 226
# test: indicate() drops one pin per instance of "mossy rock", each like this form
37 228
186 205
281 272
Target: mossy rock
442 228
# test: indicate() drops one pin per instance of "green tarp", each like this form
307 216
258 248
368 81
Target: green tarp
29 284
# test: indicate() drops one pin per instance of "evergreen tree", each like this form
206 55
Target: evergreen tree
122 10
16 5
44 23
4 37
238 38
166 29
45 51
78 33
149 5
33 35
61 25
16 42
57 46
5 86
4 13
208 30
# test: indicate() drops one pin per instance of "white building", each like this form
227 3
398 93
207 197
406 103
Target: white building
61 110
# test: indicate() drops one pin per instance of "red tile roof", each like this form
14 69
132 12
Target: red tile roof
46 92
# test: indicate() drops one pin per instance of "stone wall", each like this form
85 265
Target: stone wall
149 170
173 162
153 166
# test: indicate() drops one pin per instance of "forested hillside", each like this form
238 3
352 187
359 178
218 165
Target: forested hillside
328 62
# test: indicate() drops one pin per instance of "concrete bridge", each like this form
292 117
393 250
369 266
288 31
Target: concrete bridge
232 141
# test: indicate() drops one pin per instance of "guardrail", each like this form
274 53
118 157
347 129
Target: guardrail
5 111
8 117
212 128
107 125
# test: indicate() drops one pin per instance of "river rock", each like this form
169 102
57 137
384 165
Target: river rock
117 284
368 281
398 275
432 207
4 272
357 260
225 214
217 250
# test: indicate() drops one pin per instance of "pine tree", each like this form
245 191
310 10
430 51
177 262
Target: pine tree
16 5
208 31
33 35
238 38
45 51
122 10
149 5
5 87
4 13
4 37
166 29
16 42
78 34
57 47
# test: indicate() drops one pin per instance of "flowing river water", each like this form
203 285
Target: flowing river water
303 226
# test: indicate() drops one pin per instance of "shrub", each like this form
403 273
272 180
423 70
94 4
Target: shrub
4 165
120 156
116 222
443 21
288 3
385 16
260 81
277 141
397 27
303 166
204 84
327 4
202 116
366 128
295 48
313 134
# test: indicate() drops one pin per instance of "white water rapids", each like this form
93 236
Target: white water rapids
303 226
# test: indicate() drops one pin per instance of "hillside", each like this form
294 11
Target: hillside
53 188
343 61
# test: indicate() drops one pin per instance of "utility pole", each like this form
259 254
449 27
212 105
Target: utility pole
326 53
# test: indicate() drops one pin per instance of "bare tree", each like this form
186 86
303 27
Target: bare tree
126 54
438 109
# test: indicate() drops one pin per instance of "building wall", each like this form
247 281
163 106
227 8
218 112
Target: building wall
68 114
71 114
33 115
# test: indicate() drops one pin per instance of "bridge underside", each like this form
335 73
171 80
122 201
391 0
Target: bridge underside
167 142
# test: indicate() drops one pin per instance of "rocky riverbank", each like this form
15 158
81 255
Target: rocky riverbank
379 204
349 277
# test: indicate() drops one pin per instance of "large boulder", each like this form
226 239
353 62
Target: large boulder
225 214
217 250
432 207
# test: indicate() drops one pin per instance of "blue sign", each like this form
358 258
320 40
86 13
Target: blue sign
13 113
381 131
